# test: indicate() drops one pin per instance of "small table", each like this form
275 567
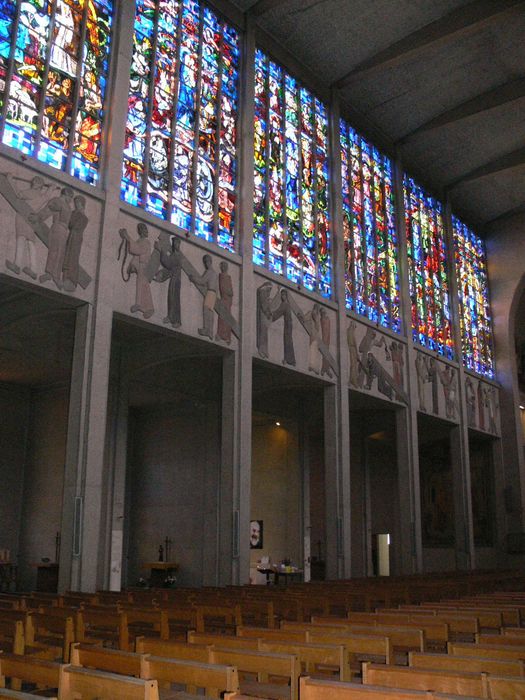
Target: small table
8 572
47 578
160 571
278 571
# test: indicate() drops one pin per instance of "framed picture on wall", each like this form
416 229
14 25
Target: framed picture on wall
256 534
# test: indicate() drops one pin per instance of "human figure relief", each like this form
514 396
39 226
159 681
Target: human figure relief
77 226
264 317
59 209
172 263
312 322
422 378
489 396
450 390
224 330
353 354
470 398
398 360
325 336
208 284
432 377
25 252
140 250
369 341
285 310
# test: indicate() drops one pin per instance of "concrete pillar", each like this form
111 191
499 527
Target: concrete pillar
459 442
406 421
241 374
336 410
84 556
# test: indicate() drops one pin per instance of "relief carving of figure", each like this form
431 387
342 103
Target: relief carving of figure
172 263
77 225
353 354
285 310
264 317
208 284
325 337
59 209
450 390
140 250
470 398
312 321
422 378
224 330
25 253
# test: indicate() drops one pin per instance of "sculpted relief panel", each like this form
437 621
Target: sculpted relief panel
170 281
50 231
294 331
437 387
377 362
482 402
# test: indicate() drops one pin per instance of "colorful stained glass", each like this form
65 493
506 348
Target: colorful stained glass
428 280
53 73
370 239
291 227
180 151
474 307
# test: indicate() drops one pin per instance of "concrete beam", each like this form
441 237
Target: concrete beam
515 211
506 162
501 95
261 7
456 23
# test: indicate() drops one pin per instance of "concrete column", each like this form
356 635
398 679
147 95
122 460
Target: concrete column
336 409
407 437
235 511
459 442
84 556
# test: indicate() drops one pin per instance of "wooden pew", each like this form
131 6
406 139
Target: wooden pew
41 672
86 684
172 649
501 640
452 662
402 638
315 689
108 627
12 638
55 634
144 620
459 625
181 618
225 640
275 634
491 651
223 618
506 688
314 657
436 632
126 663
426 679
214 678
264 665
14 694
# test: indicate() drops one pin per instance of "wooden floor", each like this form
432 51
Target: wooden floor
436 636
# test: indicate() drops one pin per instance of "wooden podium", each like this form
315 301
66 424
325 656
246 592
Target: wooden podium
159 572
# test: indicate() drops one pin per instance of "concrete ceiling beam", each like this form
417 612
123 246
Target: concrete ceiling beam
501 95
506 162
456 23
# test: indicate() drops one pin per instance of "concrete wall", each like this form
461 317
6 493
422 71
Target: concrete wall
14 407
277 491
173 468
43 483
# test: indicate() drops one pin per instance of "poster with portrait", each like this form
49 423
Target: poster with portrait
256 534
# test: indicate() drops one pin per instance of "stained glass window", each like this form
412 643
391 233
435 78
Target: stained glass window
180 151
428 280
474 308
291 233
53 75
370 239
